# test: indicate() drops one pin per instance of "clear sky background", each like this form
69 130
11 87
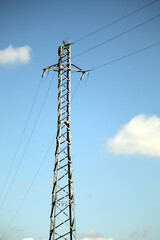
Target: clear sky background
115 118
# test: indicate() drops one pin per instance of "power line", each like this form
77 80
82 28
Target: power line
78 87
75 90
25 196
116 60
119 35
125 56
112 23
27 192
24 129
27 143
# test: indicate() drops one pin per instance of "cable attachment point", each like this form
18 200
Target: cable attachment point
82 75
43 72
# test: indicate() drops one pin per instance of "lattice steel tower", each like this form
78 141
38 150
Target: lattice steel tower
62 218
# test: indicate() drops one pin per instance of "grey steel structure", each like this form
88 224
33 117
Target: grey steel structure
62 218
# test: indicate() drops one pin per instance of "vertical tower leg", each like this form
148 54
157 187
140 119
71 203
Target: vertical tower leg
62 219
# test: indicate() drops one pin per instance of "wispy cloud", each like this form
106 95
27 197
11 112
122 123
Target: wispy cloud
17 229
135 234
140 136
27 184
141 233
12 56
145 230
93 235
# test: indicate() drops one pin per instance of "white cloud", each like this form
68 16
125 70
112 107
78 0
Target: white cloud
93 235
97 238
28 239
11 55
140 136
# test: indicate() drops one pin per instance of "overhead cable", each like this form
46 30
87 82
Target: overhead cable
26 194
117 36
78 84
20 141
27 144
116 60
125 56
75 90
116 21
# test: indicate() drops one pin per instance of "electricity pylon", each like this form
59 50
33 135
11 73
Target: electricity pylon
62 218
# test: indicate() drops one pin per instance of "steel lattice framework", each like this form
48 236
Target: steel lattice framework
62 218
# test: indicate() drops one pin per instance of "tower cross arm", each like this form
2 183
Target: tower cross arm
77 69
50 68
56 68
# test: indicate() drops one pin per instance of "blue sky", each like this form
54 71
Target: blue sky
115 116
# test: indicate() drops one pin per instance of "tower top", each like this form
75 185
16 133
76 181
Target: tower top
66 44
